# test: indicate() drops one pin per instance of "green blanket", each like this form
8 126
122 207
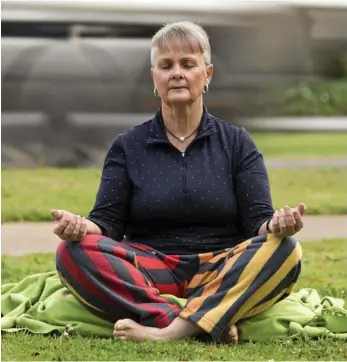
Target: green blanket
41 304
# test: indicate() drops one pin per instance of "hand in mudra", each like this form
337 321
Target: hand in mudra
288 221
69 226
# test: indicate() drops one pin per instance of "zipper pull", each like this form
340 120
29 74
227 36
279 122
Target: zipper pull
183 153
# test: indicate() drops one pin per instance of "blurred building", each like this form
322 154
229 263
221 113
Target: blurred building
76 73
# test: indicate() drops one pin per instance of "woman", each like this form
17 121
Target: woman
183 208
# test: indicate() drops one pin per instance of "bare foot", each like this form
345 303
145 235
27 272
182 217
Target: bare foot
128 330
231 336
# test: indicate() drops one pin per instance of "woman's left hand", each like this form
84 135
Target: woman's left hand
288 221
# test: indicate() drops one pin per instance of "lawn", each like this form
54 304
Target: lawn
324 269
29 194
302 145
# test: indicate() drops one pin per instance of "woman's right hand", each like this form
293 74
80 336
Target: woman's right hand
69 226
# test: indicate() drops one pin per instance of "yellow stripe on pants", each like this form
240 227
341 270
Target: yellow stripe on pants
269 285
249 274
211 288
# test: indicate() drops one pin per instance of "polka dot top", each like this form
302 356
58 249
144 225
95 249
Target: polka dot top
213 196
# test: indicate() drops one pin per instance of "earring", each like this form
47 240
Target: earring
155 92
205 89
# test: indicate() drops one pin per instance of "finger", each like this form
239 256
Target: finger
76 230
70 227
275 223
302 208
83 229
57 214
282 223
299 222
290 222
61 226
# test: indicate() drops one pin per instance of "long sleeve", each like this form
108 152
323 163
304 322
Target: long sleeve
110 211
252 186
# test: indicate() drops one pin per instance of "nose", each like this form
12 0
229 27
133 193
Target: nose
176 73
177 76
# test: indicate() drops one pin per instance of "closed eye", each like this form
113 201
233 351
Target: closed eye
165 65
189 65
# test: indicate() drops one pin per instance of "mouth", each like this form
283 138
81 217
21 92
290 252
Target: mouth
178 87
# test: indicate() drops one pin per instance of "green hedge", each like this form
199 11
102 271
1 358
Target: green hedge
303 99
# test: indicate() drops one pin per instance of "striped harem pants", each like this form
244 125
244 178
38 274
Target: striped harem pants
125 280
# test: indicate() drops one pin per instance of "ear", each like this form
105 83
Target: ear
209 72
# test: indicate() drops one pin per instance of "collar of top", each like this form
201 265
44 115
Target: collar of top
157 130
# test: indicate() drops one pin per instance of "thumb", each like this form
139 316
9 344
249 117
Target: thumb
57 214
302 208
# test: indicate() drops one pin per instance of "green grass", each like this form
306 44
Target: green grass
302 145
324 269
28 195
39 348
322 189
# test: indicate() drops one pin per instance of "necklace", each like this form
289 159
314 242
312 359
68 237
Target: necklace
182 139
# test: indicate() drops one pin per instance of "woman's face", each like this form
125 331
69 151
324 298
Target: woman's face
180 75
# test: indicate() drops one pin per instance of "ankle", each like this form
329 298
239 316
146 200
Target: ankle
180 328
154 334
164 334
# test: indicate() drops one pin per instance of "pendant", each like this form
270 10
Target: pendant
182 139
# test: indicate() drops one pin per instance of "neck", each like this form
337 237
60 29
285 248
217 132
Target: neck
182 120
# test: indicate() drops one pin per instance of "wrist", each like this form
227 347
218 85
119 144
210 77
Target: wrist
92 228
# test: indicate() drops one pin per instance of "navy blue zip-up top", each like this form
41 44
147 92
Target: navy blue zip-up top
213 196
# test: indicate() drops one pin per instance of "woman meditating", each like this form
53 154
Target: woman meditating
183 208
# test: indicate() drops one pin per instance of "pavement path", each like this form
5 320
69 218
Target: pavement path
24 238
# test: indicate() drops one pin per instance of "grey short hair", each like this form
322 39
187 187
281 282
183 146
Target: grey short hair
187 33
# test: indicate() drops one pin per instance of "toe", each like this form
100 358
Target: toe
233 333
121 324
120 333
